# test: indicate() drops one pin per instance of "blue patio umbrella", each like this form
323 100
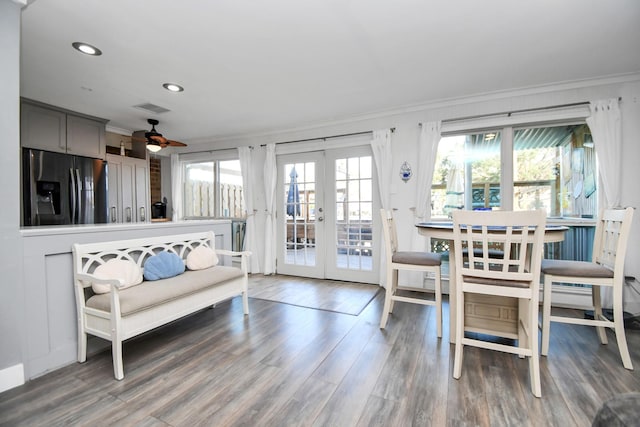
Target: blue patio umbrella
293 195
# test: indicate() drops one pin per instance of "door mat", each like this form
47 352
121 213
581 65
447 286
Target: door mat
328 295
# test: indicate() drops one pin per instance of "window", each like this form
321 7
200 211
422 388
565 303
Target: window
548 167
213 189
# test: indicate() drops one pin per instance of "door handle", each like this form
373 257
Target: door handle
73 203
320 219
142 215
114 214
128 214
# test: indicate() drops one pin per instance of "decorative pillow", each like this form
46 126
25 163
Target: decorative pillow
162 266
123 269
201 257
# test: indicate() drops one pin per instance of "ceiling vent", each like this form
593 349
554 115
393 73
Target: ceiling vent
156 109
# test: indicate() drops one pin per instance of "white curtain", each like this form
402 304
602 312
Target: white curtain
176 188
270 180
248 181
605 125
381 148
425 164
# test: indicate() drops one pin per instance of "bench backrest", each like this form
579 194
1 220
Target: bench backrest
87 257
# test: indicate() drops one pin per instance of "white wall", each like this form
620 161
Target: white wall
11 296
407 130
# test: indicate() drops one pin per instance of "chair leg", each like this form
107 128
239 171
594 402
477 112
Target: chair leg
457 361
546 314
523 319
618 320
597 312
438 297
386 309
394 288
534 359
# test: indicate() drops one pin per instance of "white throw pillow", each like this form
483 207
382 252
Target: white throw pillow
124 269
201 257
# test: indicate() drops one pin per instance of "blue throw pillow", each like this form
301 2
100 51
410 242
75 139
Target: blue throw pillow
163 266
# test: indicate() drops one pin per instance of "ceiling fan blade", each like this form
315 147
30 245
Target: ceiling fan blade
176 143
159 139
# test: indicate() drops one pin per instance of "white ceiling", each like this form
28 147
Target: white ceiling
264 65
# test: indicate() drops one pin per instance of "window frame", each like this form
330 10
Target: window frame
507 124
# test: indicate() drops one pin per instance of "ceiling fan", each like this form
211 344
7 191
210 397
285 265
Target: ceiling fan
154 139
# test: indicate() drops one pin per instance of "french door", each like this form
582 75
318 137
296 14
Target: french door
326 222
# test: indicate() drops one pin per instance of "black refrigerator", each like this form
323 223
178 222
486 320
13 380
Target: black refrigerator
63 189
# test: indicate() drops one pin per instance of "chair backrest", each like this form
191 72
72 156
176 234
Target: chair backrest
610 241
389 232
518 237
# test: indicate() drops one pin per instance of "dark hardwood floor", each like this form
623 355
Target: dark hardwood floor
285 365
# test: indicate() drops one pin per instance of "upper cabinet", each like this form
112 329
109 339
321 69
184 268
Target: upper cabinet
48 128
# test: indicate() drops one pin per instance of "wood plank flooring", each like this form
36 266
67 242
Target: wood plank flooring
285 365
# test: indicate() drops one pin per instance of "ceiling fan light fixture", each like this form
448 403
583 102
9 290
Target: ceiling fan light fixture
172 87
153 147
86 48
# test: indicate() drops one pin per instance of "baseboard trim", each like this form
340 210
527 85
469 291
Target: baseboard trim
11 377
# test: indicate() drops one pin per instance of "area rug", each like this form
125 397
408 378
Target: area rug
328 295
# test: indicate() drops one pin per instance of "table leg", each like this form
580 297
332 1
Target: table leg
452 294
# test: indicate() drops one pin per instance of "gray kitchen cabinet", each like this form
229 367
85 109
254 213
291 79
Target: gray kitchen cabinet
128 189
85 137
44 127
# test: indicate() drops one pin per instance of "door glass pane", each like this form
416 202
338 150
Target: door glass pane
354 213
299 200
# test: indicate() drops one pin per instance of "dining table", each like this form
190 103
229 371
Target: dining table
483 314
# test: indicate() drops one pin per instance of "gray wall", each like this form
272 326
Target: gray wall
11 297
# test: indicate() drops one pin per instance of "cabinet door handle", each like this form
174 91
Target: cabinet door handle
114 214
128 214
142 216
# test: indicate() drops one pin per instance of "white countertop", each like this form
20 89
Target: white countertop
49 230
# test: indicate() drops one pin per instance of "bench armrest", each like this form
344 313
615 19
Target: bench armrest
87 279
232 253
244 257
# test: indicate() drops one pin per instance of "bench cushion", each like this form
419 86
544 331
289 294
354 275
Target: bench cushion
123 269
162 266
201 257
150 294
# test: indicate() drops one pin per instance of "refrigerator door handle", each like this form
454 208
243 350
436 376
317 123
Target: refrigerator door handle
81 214
72 195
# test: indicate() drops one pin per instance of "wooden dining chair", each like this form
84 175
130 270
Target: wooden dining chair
605 269
407 260
511 271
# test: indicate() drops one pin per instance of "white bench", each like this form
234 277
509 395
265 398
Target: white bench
121 314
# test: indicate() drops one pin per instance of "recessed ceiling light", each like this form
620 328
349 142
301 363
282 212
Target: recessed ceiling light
86 48
173 87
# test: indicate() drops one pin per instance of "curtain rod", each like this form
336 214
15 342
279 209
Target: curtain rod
326 137
525 110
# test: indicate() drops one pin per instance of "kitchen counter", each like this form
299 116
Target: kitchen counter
50 230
